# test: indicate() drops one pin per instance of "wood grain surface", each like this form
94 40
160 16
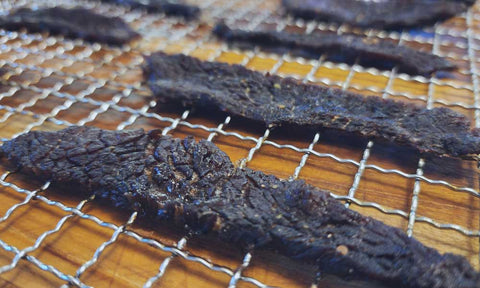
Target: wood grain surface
48 83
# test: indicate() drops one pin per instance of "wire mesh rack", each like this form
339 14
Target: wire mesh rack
49 83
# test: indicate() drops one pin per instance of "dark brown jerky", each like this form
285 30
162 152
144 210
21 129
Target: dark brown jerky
283 101
73 23
195 185
169 7
373 52
389 14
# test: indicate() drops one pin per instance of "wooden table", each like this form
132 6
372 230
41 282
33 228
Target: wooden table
47 82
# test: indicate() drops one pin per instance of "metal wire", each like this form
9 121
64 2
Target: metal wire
21 45
40 239
163 266
238 272
104 245
421 161
473 72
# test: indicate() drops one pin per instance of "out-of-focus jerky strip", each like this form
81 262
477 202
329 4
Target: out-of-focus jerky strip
388 14
73 23
376 52
170 8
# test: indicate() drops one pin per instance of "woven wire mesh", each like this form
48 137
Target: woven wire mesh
48 79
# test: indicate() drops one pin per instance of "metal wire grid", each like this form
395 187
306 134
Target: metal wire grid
21 49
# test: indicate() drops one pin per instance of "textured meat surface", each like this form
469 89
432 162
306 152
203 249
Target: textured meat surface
195 185
349 47
283 101
73 23
169 7
387 14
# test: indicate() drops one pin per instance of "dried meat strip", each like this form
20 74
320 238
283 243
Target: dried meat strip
195 185
373 52
388 14
73 23
279 101
170 8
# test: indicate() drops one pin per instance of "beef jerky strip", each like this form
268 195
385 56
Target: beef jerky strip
170 8
283 101
73 23
389 14
348 46
195 185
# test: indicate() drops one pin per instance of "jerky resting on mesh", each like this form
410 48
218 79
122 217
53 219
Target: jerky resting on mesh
73 23
170 8
284 101
372 52
195 185
388 14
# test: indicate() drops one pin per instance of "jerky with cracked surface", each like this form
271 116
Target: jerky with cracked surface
350 47
74 23
170 8
389 14
195 185
279 101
